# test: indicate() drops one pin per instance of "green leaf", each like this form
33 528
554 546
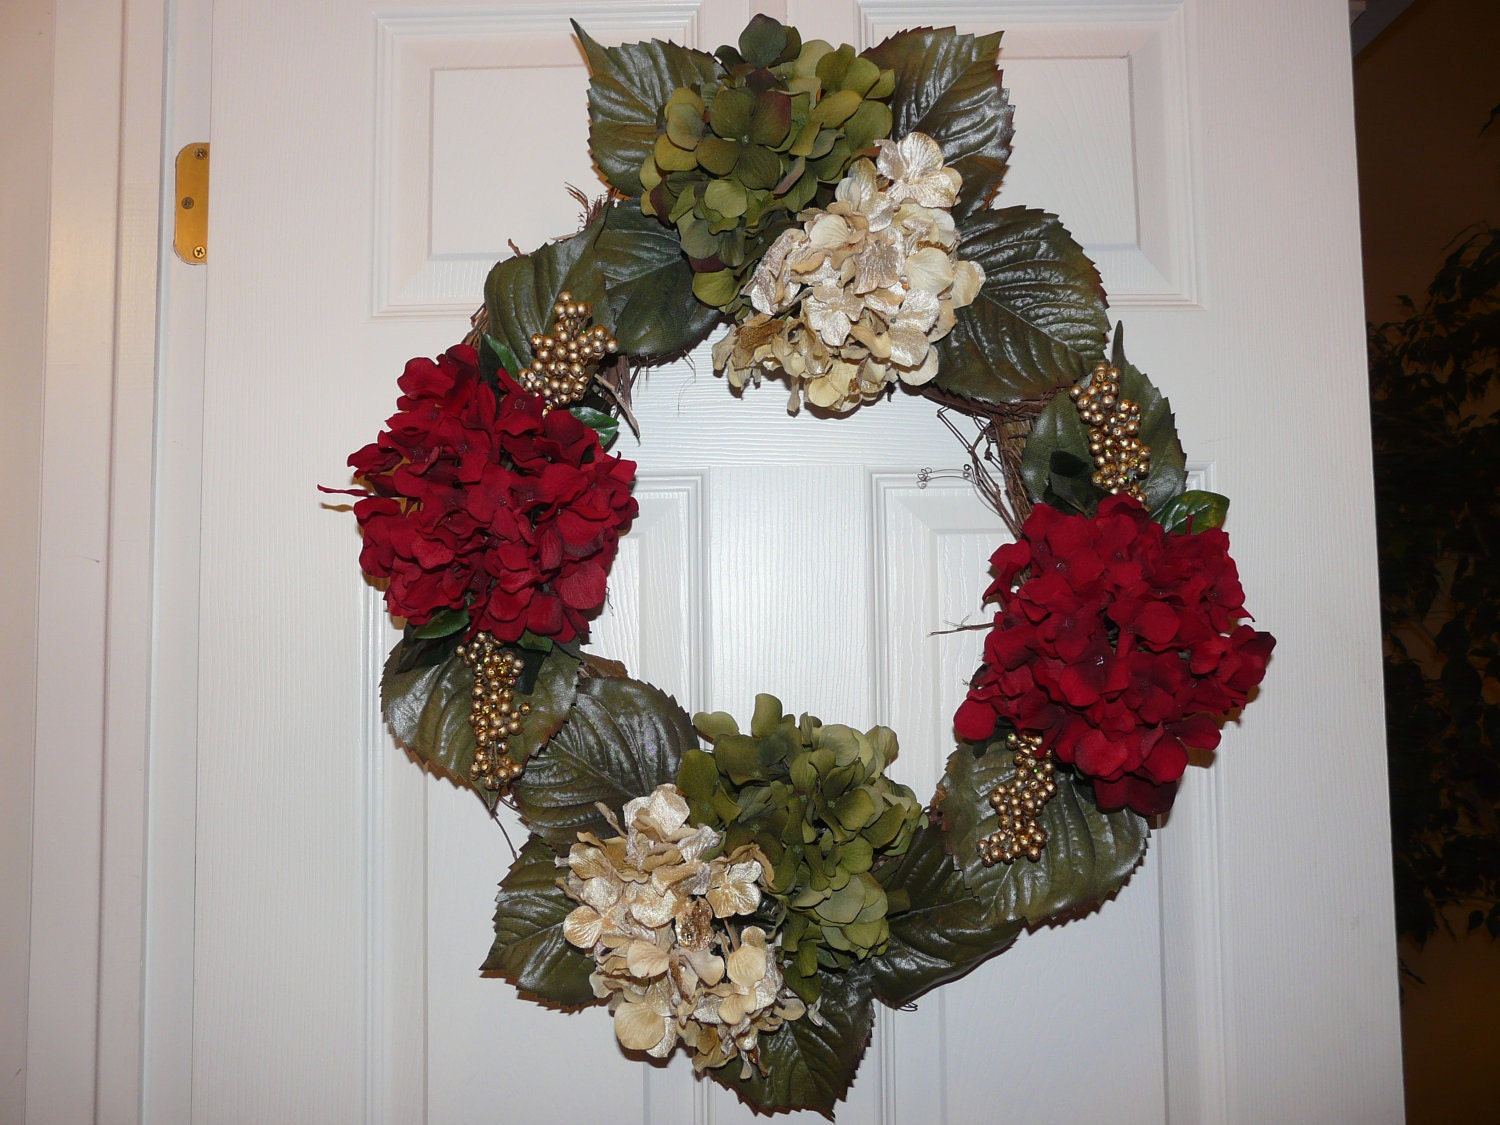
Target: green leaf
550 699
606 425
1194 511
1039 319
427 708
1088 856
530 950
717 288
428 711
650 286
496 355
443 623
947 87
1168 475
622 739
520 291
944 933
1056 465
808 1066
628 85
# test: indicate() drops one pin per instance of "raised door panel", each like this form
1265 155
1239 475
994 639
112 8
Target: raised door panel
344 898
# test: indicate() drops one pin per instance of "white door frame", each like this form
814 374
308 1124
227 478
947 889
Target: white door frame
87 888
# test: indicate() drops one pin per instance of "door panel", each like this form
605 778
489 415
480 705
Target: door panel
369 166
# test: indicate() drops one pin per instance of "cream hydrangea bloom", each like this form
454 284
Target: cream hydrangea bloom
651 913
855 298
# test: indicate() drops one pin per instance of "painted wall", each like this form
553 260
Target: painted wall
1422 92
25 161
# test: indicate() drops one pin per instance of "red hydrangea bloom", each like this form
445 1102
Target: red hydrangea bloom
1119 647
481 501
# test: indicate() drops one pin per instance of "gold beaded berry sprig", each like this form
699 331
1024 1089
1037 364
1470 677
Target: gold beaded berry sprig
1121 460
1018 804
493 713
567 356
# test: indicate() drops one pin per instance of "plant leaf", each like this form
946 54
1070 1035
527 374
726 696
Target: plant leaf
628 85
1168 475
1194 511
1056 465
550 699
606 425
428 711
495 355
530 950
944 934
1039 320
520 291
947 87
443 623
427 708
1089 854
810 1067
621 740
650 286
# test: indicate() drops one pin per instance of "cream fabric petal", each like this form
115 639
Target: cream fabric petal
664 813
654 910
828 232
582 927
708 966
930 270
920 155
908 346
968 279
646 959
600 892
858 187
822 393
588 861
919 311
924 373
638 1028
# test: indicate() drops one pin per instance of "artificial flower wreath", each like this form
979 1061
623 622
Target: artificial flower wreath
750 902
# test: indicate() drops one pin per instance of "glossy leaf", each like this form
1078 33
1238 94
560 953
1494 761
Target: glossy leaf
520 291
550 699
442 624
810 1066
628 85
1089 854
427 708
606 425
1168 476
650 286
622 739
530 950
1194 511
1039 319
428 712
945 931
495 355
947 87
1056 465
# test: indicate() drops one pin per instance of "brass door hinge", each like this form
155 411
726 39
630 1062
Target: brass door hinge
190 232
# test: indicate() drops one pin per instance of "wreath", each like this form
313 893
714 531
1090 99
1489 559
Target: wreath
751 901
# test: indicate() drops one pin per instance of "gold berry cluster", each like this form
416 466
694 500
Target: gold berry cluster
1121 460
1018 803
566 356
494 713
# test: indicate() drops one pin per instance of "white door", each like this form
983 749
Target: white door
369 164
